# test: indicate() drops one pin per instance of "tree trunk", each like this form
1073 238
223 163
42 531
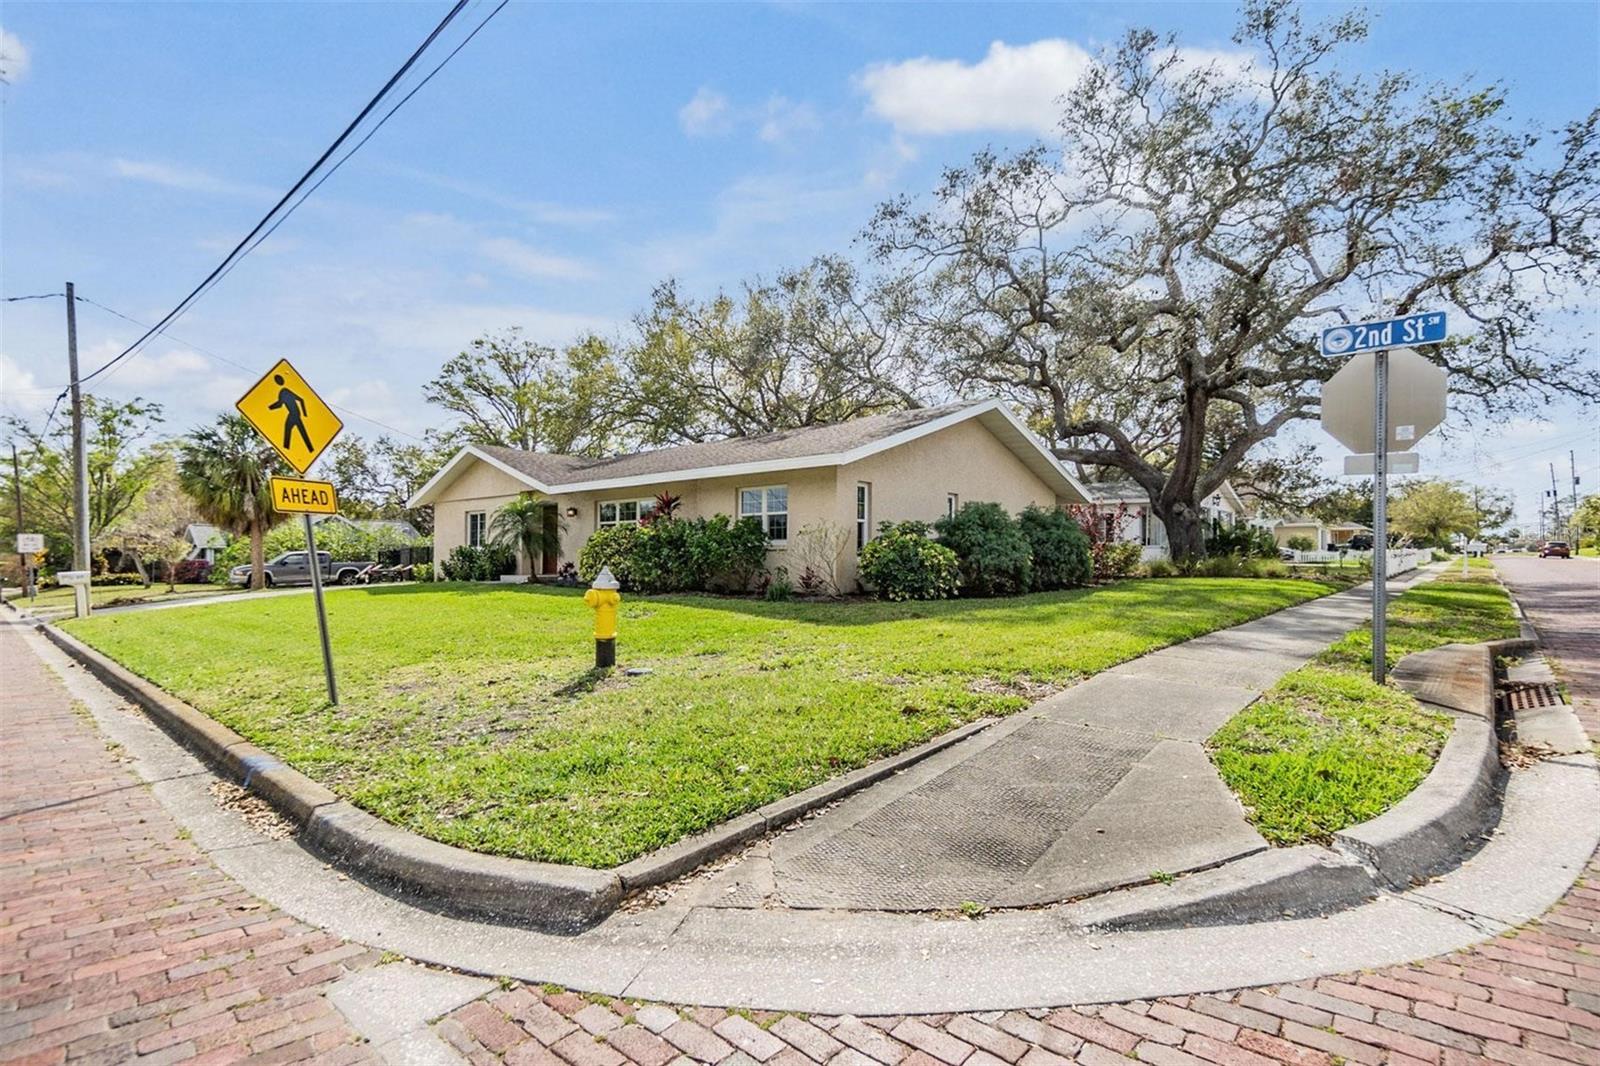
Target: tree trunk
1186 535
258 558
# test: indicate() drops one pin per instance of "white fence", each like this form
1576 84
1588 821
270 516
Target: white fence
1401 560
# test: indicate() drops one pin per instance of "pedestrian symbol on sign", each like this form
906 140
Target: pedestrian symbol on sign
294 415
290 414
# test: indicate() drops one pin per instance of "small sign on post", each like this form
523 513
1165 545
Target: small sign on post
287 411
30 543
1384 398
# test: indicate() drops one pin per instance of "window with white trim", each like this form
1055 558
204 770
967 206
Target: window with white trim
768 505
952 504
623 512
477 526
863 514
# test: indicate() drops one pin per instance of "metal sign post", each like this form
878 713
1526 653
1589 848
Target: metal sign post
287 411
1380 516
322 615
1390 424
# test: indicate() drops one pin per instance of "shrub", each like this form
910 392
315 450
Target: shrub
613 547
1160 568
1117 558
192 571
1241 539
1300 543
422 571
1060 548
479 564
779 587
1220 566
994 555
901 563
106 580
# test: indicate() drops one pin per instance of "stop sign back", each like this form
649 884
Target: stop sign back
1416 401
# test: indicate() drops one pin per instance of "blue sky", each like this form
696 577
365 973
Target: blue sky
569 159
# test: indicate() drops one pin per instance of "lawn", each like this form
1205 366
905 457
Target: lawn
106 595
471 715
1327 747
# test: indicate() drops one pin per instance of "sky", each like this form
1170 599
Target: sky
569 159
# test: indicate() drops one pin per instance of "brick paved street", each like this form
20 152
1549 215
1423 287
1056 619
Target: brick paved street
119 940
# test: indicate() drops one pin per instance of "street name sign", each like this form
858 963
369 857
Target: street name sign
1426 327
1367 464
1416 401
28 543
295 496
290 415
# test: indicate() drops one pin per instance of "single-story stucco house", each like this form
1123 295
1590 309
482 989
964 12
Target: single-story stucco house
1301 526
920 464
1140 524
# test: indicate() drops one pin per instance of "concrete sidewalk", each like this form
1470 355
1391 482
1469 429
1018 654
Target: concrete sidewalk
1104 785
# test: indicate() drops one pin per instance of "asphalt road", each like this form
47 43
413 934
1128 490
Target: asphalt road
1561 597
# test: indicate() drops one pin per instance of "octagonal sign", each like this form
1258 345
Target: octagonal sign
1416 401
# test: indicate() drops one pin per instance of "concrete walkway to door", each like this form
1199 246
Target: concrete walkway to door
1100 786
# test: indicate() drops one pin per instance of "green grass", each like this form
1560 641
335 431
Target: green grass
471 715
1327 747
106 595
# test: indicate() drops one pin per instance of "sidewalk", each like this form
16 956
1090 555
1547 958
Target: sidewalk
119 940
1089 790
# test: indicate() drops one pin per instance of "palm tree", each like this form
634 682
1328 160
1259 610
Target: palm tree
225 469
523 524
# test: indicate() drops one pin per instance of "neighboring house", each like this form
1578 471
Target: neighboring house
1340 533
919 464
1140 524
1301 526
206 542
405 530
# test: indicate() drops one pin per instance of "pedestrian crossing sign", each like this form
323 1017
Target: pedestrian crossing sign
290 415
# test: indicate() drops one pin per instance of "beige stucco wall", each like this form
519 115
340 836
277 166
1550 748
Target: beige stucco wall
915 479
480 487
1284 533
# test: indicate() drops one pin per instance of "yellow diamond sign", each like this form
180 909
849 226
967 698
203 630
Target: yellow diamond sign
293 418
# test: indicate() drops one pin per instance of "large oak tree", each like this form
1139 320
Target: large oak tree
1152 285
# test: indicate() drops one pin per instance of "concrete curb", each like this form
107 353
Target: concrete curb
1424 834
546 895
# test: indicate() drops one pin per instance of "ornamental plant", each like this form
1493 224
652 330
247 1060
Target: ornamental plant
996 559
1060 548
903 563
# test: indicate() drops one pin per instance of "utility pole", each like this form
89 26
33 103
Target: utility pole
23 562
80 454
1555 503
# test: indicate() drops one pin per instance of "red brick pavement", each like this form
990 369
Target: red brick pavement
119 940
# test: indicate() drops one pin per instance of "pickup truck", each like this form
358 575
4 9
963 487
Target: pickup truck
290 569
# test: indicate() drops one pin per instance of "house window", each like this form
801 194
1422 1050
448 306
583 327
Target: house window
768 505
863 514
476 525
624 512
952 504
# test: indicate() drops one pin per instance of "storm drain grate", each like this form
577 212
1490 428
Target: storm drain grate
1530 698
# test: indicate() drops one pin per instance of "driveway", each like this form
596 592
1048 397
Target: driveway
1100 786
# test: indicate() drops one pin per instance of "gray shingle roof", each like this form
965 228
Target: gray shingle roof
1113 491
557 470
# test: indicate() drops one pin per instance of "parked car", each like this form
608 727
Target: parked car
1555 549
290 569
1359 542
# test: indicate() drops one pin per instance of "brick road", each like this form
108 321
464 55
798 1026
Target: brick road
119 940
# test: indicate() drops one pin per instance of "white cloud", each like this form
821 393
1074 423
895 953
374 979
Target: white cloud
14 58
783 118
1013 87
189 179
706 114
531 262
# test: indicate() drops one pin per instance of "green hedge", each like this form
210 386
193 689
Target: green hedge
715 554
903 563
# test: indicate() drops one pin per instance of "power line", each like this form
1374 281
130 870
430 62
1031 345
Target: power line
40 296
372 105
239 366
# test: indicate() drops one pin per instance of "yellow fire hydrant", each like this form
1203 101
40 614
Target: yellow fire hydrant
603 596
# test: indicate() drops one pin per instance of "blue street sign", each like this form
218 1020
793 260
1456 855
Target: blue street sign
1426 327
